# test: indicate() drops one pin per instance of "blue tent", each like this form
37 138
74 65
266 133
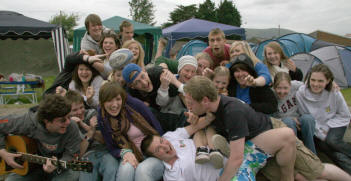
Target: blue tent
291 44
194 28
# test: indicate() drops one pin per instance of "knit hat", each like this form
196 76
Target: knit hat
127 70
120 58
186 60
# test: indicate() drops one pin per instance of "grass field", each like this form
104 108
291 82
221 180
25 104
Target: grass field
50 79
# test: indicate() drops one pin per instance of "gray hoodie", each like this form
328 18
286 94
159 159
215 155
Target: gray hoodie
328 108
63 146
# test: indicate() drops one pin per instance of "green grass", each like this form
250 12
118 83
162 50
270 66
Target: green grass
347 95
24 99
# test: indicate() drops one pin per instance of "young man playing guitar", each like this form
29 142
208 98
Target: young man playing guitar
55 135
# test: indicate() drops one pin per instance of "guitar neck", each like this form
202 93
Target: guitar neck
41 160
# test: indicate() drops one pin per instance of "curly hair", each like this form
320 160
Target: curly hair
51 107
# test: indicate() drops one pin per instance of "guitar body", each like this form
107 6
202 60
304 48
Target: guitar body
27 147
15 144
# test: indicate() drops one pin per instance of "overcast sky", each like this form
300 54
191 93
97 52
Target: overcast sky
303 16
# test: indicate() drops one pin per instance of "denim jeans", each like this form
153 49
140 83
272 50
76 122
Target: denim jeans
151 169
104 164
336 148
307 129
39 174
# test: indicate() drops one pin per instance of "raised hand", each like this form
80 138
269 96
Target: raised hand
291 65
89 93
165 79
61 91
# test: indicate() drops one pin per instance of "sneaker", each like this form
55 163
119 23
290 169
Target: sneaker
221 144
202 155
216 158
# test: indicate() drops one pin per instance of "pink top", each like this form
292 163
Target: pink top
135 135
217 60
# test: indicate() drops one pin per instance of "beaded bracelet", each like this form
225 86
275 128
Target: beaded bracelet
124 151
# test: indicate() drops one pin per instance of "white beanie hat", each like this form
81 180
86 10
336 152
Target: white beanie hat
186 60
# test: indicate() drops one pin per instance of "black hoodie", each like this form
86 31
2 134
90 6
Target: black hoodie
262 98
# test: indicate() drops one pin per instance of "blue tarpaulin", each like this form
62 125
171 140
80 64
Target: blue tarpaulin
194 28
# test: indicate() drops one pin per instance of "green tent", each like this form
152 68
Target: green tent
146 34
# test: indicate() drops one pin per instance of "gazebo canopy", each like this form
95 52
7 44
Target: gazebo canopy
15 25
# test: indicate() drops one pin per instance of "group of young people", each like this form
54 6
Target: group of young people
221 115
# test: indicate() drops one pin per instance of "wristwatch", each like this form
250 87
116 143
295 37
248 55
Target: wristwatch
90 140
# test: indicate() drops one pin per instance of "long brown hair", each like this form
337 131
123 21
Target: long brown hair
121 124
76 79
325 71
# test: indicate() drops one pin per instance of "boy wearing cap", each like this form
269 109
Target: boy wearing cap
218 49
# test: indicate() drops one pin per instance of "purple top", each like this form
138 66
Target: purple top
138 106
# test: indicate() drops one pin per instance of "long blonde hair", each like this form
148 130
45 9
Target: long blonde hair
247 50
277 48
140 60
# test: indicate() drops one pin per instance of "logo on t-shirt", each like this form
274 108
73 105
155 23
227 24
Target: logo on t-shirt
327 109
49 147
181 143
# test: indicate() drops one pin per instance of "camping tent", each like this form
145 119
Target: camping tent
15 25
335 57
194 28
151 34
291 44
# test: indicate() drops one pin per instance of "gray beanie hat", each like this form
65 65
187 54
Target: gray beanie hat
120 58
186 60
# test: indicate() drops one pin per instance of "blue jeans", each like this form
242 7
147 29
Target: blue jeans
39 174
151 169
104 164
307 129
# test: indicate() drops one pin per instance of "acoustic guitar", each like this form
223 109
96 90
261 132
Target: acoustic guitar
26 147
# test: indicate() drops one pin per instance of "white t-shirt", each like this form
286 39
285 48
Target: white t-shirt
185 168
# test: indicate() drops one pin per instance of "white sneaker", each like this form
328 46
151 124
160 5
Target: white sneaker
220 143
216 158
202 155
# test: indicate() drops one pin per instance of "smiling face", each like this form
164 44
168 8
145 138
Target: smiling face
95 31
109 45
117 76
142 82
240 76
282 89
113 106
58 125
217 43
221 82
77 110
186 73
136 51
202 65
237 50
162 149
84 73
318 82
273 57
